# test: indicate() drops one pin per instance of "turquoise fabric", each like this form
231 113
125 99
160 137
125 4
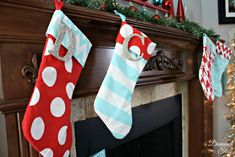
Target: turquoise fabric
218 68
123 17
83 45
99 154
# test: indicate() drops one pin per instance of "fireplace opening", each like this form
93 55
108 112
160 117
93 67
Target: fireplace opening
156 131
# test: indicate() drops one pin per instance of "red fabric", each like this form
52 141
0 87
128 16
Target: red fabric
135 41
58 4
205 72
42 108
223 50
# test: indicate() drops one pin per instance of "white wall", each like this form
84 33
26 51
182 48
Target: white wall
193 10
210 18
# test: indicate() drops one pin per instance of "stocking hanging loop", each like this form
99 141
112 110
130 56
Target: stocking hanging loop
58 4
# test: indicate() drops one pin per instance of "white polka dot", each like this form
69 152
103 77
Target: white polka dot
50 46
47 152
135 49
49 75
35 97
69 89
151 48
37 128
57 107
66 154
62 135
69 65
126 30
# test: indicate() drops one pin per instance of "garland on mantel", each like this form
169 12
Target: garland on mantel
145 16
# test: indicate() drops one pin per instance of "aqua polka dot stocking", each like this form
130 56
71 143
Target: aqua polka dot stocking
46 123
113 101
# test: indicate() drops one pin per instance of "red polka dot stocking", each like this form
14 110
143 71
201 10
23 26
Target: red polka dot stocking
46 123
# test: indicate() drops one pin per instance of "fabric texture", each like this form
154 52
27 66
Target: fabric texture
221 61
205 71
113 101
46 124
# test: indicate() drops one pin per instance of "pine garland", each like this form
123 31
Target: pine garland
145 16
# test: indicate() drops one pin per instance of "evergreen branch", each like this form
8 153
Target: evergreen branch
145 16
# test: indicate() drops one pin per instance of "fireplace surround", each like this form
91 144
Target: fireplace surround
156 131
22 30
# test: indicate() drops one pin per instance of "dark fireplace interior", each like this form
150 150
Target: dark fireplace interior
156 132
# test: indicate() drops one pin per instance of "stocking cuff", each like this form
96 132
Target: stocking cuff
82 45
223 50
144 49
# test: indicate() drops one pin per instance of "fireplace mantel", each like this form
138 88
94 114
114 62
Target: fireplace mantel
22 29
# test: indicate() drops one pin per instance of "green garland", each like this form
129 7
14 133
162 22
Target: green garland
111 5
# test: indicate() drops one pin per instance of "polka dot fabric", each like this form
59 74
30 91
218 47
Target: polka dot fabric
113 101
135 44
46 124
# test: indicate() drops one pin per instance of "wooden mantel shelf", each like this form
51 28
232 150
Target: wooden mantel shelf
22 29
26 22
89 16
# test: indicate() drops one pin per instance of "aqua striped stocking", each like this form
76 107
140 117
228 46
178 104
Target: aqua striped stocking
113 101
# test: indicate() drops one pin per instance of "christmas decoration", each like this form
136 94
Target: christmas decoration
103 6
145 16
156 17
205 77
46 124
133 9
144 0
113 102
171 9
157 2
221 60
229 138
180 11
167 4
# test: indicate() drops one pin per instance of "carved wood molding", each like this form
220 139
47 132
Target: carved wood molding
161 62
30 72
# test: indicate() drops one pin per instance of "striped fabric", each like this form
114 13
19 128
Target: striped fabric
113 101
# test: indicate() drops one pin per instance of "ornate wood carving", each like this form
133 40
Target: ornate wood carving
30 72
161 61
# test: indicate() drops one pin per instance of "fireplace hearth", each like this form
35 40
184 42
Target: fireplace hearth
156 131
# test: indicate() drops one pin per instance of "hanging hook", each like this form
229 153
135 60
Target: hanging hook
58 4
